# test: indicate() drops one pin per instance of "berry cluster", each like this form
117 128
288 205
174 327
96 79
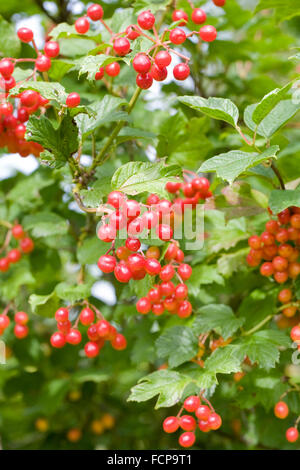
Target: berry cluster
151 64
98 331
21 319
278 248
14 255
206 418
281 411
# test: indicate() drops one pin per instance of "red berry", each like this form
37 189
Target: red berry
106 233
113 69
187 423
143 305
181 292
136 262
92 332
121 46
62 315
100 74
25 34
171 251
204 426
103 328
116 199
208 33
144 81
119 342
73 336
141 63
82 25
21 331
203 412
20 131
117 220
26 245
158 309
154 294
164 232
187 439
272 226
214 421
172 187
152 199
177 36
135 227
191 403
178 15
162 60
64 327
295 333
146 20
185 271
150 219
284 216
131 33
86 316
51 49
167 288
219 3
8 83
14 255
280 263
152 266
181 71
43 63
201 184
132 208
95 12
58 339
285 296
185 309
4 265
281 410
73 100
29 98
4 321
6 68
282 235
133 244
198 16
107 263
6 108
167 273
292 434
91 349
21 318
23 115
171 424
266 269
158 74
122 272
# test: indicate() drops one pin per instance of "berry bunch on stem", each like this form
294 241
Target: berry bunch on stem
205 418
20 320
16 244
98 332
281 411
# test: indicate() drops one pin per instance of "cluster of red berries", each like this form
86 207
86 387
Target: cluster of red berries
14 255
206 418
148 67
21 319
278 246
98 331
281 411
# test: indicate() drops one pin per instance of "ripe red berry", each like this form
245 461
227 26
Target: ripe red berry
21 318
133 244
29 98
266 269
201 184
158 309
95 12
187 423
191 403
204 426
164 232
21 331
117 220
152 199
282 235
92 332
162 60
116 199
158 74
43 63
203 412
143 305
131 33
177 36
51 49
219 3
187 439
6 108
73 100
181 292
122 272
167 273
100 74
136 262
82 25
150 219
295 333
285 296
86 316
178 15
214 421
6 68
103 328
172 187
152 266
135 227
167 288
171 424
144 81
121 46
181 71
284 216
91 349
73 336
4 265
292 434
4 321
26 245
208 33
25 34
280 263
14 255
20 131
58 339
23 115
141 63
171 251
119 342
62 315
107 263
146 20
113 69
18 232
185 271
198 16
154 294
184 309
281 410
107 233
272 226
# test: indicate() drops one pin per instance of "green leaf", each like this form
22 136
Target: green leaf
89 375
284 9
10 45
19 276
167 384
45 224
223 361
216 108
59 68
65 30
106 110
229 166
229 263
53 91
91 250
154 5
232 231
138 177
44 305
276 118
73 293
27 190
256 306
268 102
90 64
59 144
178 344
219 318
280 200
